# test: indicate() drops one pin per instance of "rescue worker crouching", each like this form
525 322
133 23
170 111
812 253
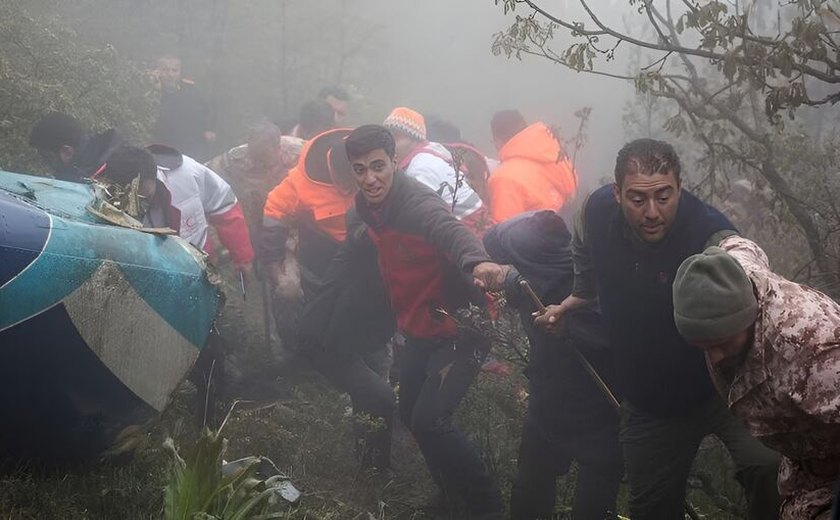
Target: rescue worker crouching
568 418
177 192
773 348
303 227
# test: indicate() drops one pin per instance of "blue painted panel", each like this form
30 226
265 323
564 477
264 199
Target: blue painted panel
23 233
66 199
161 269
65 403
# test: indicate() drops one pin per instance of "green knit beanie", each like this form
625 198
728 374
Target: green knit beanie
713 297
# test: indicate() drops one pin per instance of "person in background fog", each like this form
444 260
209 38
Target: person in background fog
316 117
184 121
338 102
255 168
338 99
431 164
474 163
534 173
630 239
70 154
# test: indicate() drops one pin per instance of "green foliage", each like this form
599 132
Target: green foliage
44 66
717 78
199 489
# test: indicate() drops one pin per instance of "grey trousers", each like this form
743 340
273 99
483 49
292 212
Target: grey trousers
658 453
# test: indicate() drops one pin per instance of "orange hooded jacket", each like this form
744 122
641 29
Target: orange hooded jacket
310 191
530 177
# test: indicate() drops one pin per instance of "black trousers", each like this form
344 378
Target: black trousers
434 377
361 376
546 452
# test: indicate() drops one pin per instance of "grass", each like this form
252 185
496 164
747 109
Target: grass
306 430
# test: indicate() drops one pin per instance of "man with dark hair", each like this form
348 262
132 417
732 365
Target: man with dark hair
535 173
442 131
568 418
67 151
338 99
505 124
430 263
129 162
184 119
131 177
316 117
630 240
185 196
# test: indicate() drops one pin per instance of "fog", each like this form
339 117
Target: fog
266 58
439 61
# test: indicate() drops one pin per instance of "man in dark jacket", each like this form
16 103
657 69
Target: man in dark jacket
351 356
304 224
67 150
568 418
430 262
184 120
632 237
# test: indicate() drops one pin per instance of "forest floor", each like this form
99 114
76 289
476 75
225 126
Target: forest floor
304 426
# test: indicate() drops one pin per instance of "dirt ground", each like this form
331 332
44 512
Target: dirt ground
292 416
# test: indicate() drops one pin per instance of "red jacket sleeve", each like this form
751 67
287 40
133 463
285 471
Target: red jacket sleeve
233 233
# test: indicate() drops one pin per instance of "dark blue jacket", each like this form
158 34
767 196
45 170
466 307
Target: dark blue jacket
537 245
657 371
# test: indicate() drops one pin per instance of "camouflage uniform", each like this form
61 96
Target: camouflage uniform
241 316
787 387
251 186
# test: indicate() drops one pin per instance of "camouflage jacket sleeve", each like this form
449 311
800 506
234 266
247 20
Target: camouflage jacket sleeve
803 326
751 257
813 382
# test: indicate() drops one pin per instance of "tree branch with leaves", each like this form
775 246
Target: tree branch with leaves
729 71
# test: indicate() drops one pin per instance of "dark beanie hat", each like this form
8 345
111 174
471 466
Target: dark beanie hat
713 297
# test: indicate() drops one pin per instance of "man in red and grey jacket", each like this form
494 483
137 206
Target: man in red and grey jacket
428 260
